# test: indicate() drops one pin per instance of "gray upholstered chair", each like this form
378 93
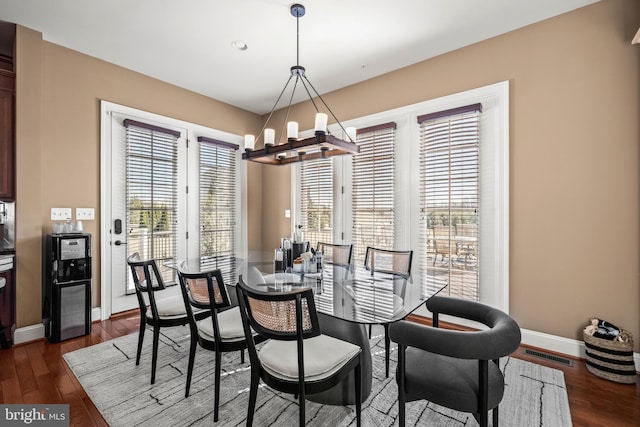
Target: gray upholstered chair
455 369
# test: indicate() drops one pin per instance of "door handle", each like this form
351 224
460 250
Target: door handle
118 243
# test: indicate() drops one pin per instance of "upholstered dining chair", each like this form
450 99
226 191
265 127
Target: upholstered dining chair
298 358
393 262
161 311
455 369
336 254
221 332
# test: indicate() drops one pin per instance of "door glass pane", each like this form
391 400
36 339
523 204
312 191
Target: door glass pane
152 163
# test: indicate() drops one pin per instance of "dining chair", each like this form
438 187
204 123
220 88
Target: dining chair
397 263
451 368
221 332
335 254
161 311
467 248
297 358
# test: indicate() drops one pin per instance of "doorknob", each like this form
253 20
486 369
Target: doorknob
118 243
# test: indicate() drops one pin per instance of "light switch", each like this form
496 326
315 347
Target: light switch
85 213
287 213
60 214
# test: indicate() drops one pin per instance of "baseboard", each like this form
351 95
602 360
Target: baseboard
28 333
574 348
35 332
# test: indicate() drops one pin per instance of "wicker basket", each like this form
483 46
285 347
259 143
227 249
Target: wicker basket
611 359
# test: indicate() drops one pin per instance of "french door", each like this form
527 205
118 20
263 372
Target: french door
148 208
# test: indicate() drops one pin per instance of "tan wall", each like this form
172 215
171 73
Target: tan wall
58 146
574 185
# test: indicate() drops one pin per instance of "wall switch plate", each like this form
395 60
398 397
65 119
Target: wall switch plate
60 214
287 213
85 213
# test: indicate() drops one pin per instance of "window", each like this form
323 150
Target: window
218 216
432 179
151 193
449 198
316 200
373 182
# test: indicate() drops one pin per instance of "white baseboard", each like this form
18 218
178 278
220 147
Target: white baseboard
28 333
35 332
562 345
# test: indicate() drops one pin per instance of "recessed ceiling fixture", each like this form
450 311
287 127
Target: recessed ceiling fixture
239 44
321 145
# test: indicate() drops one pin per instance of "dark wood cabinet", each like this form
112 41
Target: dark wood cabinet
7 136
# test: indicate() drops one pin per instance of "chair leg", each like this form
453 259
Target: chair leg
154 355
484 393
242 356
401 390
358 383
216 399
143 327
192 356
495 417
369 331
387 345
253 395
301 402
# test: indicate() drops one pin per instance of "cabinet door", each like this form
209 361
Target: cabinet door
7 145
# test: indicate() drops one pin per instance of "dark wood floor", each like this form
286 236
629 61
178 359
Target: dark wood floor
36 373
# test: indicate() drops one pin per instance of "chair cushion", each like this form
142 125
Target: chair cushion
229 322
448 381
169 307
323 357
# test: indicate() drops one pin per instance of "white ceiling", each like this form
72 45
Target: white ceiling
342 42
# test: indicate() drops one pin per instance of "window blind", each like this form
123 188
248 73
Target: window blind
450 198
152 193
373 185
218 216
316 200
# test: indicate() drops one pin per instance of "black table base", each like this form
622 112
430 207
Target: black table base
356 333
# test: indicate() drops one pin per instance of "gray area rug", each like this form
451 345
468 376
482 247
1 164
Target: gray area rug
535 395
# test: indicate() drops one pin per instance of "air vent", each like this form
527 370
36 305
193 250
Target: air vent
547 356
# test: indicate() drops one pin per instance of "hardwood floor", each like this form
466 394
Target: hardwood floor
36 373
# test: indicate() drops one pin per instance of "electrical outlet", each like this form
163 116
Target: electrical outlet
85 213
60 214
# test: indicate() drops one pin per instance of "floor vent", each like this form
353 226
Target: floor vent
551 357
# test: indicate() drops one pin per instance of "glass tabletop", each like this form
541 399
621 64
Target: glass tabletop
354 294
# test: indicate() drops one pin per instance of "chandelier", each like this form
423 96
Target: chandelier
320 146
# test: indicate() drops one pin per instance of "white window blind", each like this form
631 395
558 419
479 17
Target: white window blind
218 214
316 200
152 193
450 198
373 185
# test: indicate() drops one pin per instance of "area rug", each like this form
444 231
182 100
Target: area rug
534 396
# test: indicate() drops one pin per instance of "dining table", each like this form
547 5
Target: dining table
348 298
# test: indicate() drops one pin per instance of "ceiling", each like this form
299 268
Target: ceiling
189 43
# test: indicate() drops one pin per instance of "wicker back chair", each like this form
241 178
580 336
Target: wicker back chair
392 262
298 358
335 254
222 332
161 311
